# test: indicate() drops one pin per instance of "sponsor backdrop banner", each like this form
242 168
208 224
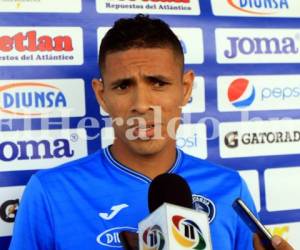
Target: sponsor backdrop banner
243 113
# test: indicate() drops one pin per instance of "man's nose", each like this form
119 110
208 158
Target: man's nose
142 100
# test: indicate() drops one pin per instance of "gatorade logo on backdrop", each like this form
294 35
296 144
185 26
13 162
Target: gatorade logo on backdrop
9 204
240 93
169 7
8 210
42 98
41 46
259 138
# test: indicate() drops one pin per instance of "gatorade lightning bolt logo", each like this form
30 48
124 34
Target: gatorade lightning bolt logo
240 93
187 233
153 238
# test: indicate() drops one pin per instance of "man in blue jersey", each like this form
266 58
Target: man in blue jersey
86 203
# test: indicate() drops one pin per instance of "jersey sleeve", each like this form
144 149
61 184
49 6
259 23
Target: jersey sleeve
244 236
33 229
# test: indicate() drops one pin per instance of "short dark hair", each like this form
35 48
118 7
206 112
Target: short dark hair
139 32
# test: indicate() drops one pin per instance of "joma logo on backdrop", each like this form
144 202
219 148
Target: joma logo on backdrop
30 41
36 149
264 46
257 45
32 150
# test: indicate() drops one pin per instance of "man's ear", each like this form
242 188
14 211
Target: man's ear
98 87
188 80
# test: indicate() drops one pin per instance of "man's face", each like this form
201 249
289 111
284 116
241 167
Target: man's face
143 90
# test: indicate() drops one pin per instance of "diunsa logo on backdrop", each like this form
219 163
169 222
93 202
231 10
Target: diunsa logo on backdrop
257 8
251 45
41 46
42 98
167 7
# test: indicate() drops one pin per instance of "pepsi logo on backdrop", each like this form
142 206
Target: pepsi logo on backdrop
258 92
241 93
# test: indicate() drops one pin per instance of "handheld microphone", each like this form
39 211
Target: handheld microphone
173 224
170 188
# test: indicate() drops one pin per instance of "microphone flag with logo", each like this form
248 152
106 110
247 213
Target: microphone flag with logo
173 224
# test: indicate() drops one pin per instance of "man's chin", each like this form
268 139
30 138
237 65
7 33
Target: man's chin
147 146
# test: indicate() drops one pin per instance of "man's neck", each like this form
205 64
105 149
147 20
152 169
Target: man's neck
150 165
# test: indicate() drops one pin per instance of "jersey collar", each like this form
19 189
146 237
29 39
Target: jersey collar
135 174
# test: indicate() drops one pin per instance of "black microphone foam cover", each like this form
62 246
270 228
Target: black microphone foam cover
169 188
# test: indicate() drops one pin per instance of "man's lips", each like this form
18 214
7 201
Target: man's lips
145 131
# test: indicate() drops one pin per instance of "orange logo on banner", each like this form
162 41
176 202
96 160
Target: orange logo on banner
234 5
30 41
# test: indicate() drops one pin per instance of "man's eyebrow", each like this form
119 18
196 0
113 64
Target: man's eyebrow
117 82
131 80
157 77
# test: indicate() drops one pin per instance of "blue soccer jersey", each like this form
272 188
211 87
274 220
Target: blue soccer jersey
84 204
